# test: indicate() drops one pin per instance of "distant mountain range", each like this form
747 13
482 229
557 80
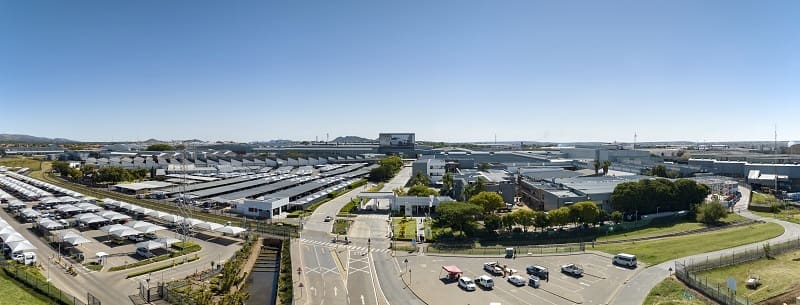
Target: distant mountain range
21 138
352 139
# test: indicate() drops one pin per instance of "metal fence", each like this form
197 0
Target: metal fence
521 251
687 271
42 286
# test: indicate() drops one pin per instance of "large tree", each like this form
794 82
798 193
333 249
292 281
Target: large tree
588 212
490 201
711 212
541 219
457 214
491 222
606 164
421 191
524 217
559 217
447 184
159 147
420 179
474 188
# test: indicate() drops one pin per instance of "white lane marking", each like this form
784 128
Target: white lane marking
584 284
362 299
335 291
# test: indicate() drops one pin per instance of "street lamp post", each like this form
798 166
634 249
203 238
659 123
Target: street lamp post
408 271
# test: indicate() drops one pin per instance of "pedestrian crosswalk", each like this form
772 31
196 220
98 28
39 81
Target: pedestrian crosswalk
332 245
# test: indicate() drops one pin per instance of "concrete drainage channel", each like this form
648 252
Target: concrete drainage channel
262 283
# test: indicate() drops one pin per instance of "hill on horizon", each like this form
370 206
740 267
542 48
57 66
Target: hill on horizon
352 139
21 138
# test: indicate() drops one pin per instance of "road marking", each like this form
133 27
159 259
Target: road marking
335 291
314 289
362 299
584 284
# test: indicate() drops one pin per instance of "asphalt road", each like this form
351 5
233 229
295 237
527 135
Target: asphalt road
639 286
348 274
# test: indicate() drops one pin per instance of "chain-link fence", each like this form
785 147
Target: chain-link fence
687 271
42 286
520 251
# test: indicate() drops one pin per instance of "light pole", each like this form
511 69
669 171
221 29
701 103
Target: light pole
408 271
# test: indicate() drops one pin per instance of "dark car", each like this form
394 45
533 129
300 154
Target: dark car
328 218
538 271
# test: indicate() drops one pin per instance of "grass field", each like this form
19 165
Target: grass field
33 164
672 292
410 225
666 228
661 250
777 276
759 198
14 293
790 214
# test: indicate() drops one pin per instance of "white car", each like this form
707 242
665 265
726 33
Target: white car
467 283
517 280
485 281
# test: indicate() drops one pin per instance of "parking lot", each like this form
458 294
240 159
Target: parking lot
600 279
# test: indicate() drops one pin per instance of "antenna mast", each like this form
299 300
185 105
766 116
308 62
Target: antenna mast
183 203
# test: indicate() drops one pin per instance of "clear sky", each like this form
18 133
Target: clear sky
446 70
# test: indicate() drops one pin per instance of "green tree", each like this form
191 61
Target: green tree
74 173
491 222
475 188
490 201
524 217
420 179
659 171
541 219
559 217
393 163
457 214
379 174
588 212
596 167
447 184
419 190
616 217
483 167
606 165
159 147
711 212
509 220
399 191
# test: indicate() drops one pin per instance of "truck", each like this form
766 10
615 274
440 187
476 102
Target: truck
496 269
572 269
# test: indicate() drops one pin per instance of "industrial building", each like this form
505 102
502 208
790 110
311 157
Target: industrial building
545 194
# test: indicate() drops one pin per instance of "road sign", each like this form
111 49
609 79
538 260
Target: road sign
732 283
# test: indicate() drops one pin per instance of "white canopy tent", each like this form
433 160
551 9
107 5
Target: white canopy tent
20 246
150 245
167 240
231 230
209 226
125 232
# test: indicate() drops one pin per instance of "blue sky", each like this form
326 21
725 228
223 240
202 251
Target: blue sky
447 70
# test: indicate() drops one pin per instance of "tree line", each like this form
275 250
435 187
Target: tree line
651 195
388 167
107 174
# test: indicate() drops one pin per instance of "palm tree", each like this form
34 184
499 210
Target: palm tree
596 167
606 164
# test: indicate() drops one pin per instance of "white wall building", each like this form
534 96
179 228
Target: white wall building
434 168
265 208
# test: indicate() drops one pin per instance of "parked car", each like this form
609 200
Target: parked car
572 269
150 235
538 271
485 281
144 252
493 268
466 283
533 282
516 280
136 238
625 260
27 258
328 218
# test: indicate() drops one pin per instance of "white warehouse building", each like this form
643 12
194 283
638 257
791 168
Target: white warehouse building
433 168
264 208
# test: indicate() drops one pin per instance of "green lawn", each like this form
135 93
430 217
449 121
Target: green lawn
672 292
759 198
661 250
14 293
410 225
777 276
33 164
666 228
790 214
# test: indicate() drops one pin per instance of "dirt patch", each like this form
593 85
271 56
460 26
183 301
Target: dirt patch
789 297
